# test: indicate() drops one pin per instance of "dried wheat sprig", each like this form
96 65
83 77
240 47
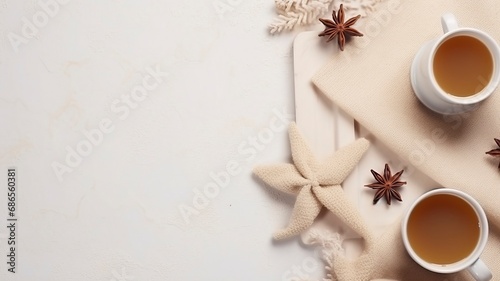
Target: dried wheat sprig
293 13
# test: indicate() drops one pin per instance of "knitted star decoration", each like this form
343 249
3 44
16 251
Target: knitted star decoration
314 185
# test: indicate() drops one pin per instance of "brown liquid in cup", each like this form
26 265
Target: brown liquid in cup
463 66
443 229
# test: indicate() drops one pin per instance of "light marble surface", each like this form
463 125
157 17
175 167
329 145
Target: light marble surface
105 166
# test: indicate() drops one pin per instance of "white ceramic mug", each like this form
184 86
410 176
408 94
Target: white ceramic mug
475 266
422 75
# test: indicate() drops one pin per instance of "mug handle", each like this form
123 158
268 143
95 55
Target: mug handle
449 22
480 271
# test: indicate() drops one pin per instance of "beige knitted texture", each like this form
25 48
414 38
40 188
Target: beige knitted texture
316 185
370 81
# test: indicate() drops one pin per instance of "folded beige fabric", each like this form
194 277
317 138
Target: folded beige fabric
370 81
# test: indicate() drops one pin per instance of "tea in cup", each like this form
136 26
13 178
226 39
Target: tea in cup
457 71
445 231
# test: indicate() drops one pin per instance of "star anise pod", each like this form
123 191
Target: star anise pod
339 28
495 152
386 185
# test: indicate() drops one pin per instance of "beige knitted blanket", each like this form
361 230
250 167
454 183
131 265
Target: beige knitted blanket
370 81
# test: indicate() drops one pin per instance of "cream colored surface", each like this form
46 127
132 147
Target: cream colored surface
370 81
116 216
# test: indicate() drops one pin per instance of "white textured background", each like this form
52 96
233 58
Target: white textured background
116 215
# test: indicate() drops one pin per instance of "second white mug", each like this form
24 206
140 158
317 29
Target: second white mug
427 210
